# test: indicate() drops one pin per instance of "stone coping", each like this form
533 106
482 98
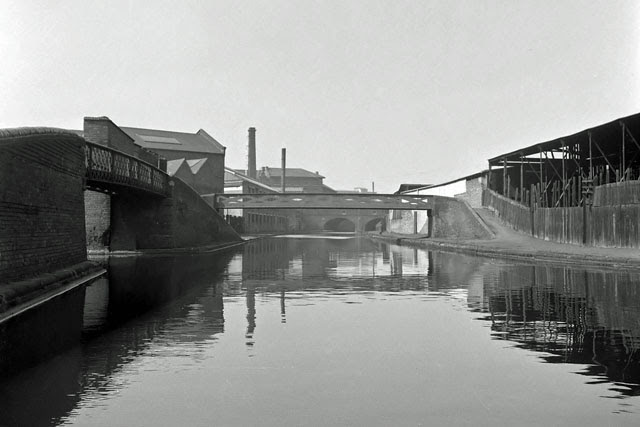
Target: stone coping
105 253
18 293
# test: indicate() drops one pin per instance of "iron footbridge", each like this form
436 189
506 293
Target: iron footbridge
323 201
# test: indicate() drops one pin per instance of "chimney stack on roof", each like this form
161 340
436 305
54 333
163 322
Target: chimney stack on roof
251 155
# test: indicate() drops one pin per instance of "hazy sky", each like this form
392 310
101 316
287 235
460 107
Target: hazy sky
385 91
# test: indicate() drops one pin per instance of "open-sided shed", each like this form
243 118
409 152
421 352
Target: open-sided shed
564 171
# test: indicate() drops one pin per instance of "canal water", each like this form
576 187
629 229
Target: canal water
336 330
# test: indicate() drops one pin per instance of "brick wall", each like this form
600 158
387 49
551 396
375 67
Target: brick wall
101 130
97 208
177 154
96 130
41 202
473 195
451 218
403 222
210 176
181 221
213 179
216 173
184 173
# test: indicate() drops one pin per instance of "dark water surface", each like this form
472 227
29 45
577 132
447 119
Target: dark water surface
328 332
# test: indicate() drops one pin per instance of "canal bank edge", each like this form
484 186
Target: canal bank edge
104 253
18 296
516 254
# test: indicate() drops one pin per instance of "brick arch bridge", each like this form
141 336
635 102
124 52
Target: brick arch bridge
435 216
342 220
323 211
353 223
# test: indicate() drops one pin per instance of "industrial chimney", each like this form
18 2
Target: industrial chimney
251 155
284 170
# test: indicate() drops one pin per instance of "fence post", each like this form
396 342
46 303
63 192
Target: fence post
533 228
584 223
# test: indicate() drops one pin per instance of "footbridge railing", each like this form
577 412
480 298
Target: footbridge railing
323 201
107 167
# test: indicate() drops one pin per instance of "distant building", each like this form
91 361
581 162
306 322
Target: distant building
297 180
468 188
256 220
356 190
407 187
199 152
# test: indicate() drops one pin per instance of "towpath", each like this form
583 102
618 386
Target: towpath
512 244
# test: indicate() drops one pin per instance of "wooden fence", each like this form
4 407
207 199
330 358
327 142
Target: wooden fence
611 225
513 213
615 226
564 225
617 193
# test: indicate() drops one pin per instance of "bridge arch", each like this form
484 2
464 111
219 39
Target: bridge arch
374 224
340 224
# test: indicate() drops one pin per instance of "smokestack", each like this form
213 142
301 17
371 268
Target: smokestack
251 155
284 168
373 187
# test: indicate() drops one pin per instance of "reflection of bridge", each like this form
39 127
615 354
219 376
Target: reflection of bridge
323 201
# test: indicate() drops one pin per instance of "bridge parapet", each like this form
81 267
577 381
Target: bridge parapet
106 166
323 201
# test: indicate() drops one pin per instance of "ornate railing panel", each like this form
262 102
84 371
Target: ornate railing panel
108 166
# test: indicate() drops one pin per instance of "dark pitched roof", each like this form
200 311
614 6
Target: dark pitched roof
277 172
199 142
407 187
291 172
607 134
236 176
231 177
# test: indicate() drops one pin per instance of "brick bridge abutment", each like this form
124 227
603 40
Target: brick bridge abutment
43 234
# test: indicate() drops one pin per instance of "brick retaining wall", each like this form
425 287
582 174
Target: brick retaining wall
41 206
183 220
451 218
97 219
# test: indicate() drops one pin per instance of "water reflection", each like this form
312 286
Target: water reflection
590 318
573 316
278 261
165 301
167 313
